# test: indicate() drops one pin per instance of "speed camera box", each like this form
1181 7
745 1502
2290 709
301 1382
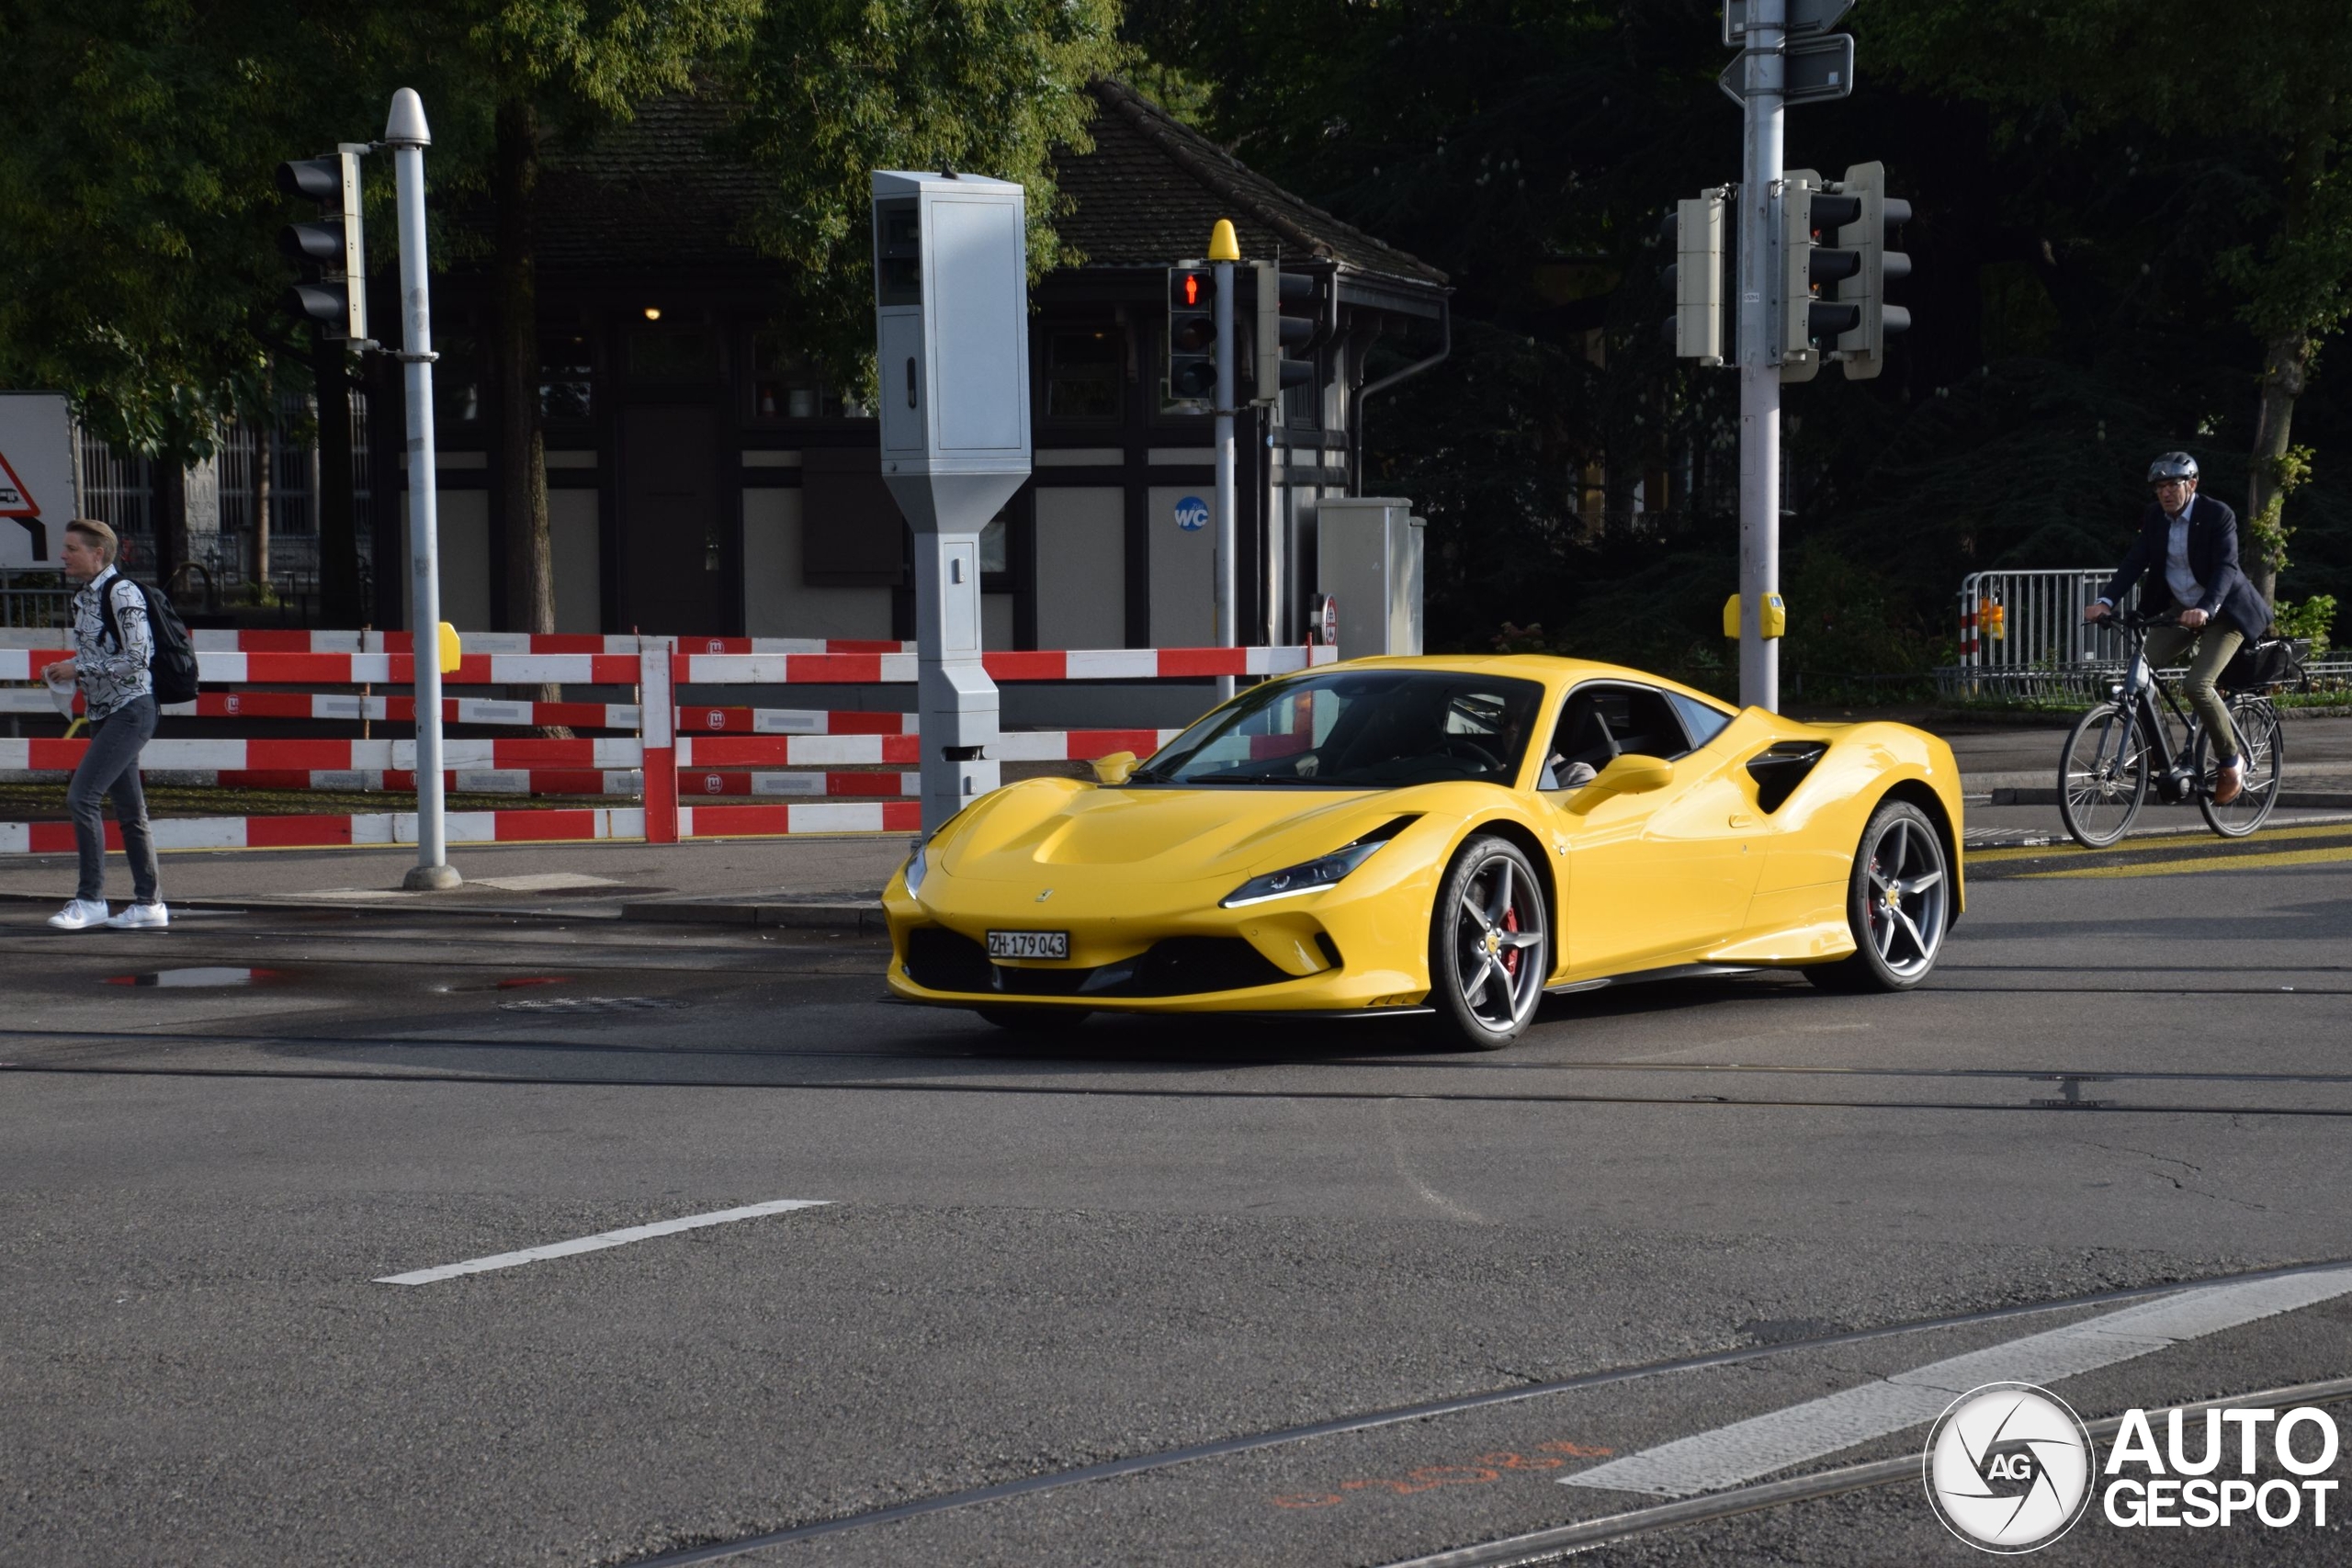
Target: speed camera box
951 300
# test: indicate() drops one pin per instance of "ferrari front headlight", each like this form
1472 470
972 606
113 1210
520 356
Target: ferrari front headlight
915 865
1307 876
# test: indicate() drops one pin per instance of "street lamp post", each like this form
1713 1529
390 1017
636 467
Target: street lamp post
406 134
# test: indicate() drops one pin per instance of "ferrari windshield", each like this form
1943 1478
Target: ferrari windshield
1357 730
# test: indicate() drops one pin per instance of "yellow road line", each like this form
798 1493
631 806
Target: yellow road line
2144 845
2332 855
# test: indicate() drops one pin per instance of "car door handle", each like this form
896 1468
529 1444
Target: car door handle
1742 819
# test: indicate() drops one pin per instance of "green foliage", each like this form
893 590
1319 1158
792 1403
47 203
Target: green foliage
2314 618
136 157
833 89
2287 473
141 273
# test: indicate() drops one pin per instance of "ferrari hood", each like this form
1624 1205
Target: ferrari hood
1157 835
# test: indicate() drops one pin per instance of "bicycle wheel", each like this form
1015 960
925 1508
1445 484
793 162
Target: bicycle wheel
2256 723
2102 776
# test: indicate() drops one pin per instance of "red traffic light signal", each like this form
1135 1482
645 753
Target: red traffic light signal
1192 333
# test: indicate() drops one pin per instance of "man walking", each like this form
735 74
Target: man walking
2189 549
113 649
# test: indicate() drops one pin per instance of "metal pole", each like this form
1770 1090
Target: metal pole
1759 369
1225 499
406 134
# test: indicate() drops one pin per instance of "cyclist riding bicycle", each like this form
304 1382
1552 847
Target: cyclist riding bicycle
2188 550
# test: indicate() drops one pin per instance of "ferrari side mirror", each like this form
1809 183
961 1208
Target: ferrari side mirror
1630 773
1114 767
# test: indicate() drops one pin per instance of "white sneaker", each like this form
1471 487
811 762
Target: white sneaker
142 918
80 915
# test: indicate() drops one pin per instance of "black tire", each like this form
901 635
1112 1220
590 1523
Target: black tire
1898 904
2256 723
1035 1021
2102 776
1489 921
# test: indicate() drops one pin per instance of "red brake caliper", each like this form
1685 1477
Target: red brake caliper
1510 954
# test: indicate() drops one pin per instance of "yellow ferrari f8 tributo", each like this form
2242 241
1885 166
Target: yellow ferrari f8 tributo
1449 837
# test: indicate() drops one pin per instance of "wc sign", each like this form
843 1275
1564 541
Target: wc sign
1191 515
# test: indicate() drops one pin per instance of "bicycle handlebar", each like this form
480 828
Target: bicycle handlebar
2133 620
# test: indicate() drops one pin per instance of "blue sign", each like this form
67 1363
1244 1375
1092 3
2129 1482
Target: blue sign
1191 515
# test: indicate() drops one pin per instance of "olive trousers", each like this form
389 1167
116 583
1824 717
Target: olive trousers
2207 648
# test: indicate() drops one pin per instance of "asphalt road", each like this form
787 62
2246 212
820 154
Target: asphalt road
1311 1293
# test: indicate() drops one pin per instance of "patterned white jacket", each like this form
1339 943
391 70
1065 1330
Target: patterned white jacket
110 679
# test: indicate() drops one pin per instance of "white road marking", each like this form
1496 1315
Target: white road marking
1733 1455
600 1241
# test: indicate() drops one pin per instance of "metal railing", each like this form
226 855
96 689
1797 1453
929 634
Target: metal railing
37 599
2033 621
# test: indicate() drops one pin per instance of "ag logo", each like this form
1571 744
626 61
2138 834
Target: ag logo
2008 1467
1191 515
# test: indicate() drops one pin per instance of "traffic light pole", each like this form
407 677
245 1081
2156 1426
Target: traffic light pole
1759 370
406 134
1225 637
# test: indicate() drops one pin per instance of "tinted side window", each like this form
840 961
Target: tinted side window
1600 722
1703 720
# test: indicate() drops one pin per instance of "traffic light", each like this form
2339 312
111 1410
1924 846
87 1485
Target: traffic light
1192 333
1698 231
1292 309
1808 266
1864 232
333 292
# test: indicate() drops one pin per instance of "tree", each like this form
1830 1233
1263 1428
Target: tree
505 81
141 275
2266 85
832 89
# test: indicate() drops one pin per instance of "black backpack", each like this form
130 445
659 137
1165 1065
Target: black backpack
173 664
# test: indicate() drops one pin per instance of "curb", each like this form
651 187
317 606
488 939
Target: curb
861 918
2288 799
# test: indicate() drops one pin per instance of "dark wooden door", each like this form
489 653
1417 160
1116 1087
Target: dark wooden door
674 577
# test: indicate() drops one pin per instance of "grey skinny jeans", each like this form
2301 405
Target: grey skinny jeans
111 767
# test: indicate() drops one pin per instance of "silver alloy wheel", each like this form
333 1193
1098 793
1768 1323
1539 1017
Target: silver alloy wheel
1499 945
1907 903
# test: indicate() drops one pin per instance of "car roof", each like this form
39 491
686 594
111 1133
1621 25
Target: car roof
1549 668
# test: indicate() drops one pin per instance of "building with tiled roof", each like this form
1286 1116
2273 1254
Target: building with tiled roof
704 477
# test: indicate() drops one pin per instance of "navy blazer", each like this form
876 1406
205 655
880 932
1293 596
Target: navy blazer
2212 560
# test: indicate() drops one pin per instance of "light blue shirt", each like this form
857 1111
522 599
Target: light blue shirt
2186 589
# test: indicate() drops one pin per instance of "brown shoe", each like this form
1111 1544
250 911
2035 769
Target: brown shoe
2229 784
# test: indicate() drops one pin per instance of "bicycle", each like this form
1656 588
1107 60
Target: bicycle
2113 750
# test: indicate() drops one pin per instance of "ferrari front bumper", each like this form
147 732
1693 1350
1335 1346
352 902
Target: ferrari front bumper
1360 946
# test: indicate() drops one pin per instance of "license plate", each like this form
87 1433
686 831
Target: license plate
1028 944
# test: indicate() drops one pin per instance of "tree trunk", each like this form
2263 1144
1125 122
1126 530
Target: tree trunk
522 461
339 604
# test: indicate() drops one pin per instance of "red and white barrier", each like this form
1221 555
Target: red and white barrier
697 751
1050 664
237 754
208 639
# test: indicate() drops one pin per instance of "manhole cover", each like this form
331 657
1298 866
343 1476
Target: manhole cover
595 1004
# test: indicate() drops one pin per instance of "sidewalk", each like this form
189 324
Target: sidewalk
834 883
